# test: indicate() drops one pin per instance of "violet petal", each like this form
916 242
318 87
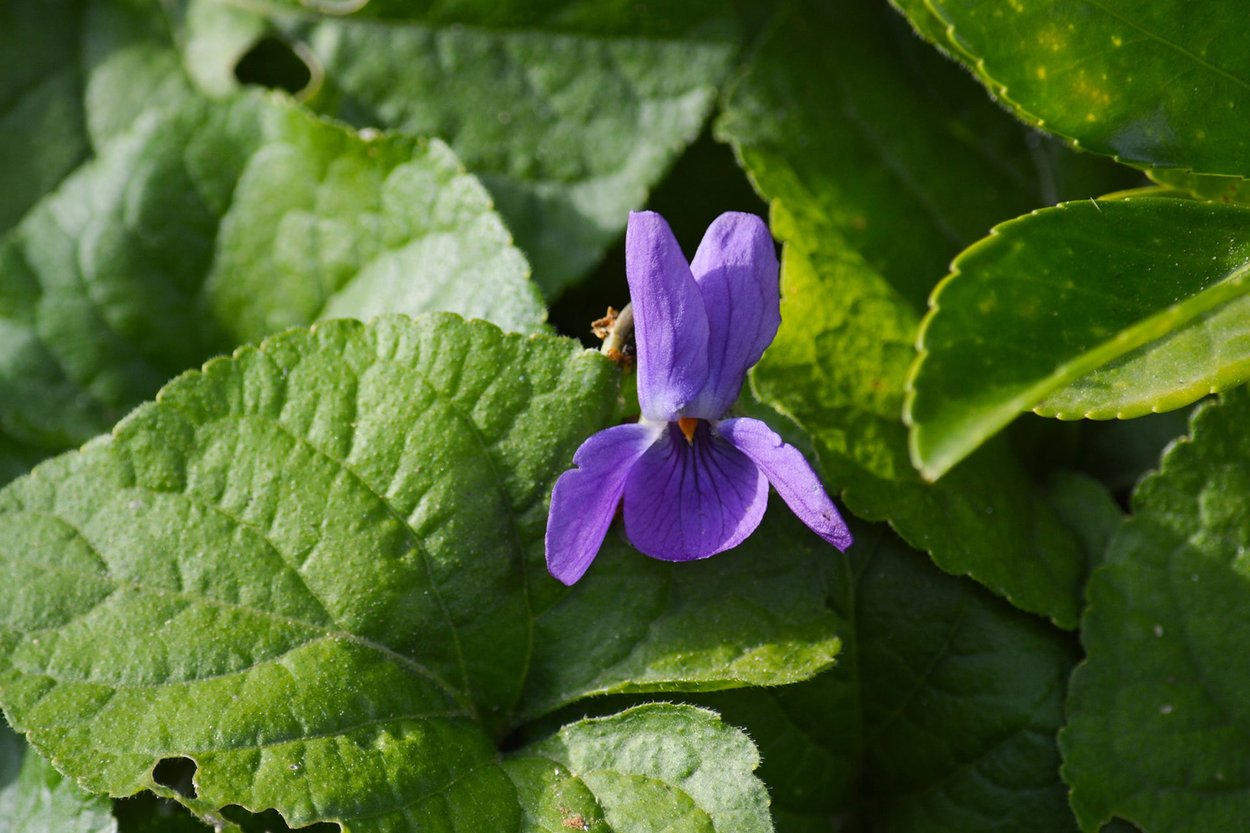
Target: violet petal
685 501
670 322
585 498
736 271
791 475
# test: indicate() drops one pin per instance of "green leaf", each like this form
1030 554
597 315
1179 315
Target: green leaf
1226 189
941 714
316 570
1149 83
523 104
1086 310
649 769
35 798
1158 712
216 223
905 140
650 627
840 360
42 130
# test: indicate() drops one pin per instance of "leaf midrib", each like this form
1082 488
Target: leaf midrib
934 461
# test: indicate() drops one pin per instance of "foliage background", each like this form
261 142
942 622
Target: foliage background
303 586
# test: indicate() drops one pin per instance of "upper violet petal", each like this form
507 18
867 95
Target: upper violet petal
688 500
670 322
737 272
585 498
791 475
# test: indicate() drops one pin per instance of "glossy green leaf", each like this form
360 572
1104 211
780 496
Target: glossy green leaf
569 114
217 223
1159 84
941 714
1226 189
42 130
840 360
1158 712
651 769
906 140
35 798
1085 310
316 570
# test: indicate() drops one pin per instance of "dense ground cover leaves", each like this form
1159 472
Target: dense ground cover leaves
934 664
311 534
157 255
520 97
305 585
839 364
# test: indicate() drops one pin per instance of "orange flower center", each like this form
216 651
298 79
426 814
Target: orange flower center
688 426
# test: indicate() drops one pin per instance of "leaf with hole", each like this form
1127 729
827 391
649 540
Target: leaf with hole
1158 713
1157 84
839 362
1094 310
315 569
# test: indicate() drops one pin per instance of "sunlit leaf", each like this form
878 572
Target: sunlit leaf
315 570
1086 310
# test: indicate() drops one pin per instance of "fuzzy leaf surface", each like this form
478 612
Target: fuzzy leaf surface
840 360
522 95
1101 311
652 768
212 224
315 569
1158 714
1160 84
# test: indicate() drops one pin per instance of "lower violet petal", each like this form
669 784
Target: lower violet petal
791 475
585 498
688 500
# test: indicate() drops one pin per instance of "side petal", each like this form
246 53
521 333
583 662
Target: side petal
585 498
736 271
685 501
670 323
791 475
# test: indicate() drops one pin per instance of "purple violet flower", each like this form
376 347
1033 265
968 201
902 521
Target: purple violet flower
694 484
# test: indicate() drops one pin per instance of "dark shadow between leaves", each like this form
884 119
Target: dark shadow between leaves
273 62
178 774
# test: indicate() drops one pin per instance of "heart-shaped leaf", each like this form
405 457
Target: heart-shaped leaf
1093 310
569 115
1158 712
211 224
315 570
